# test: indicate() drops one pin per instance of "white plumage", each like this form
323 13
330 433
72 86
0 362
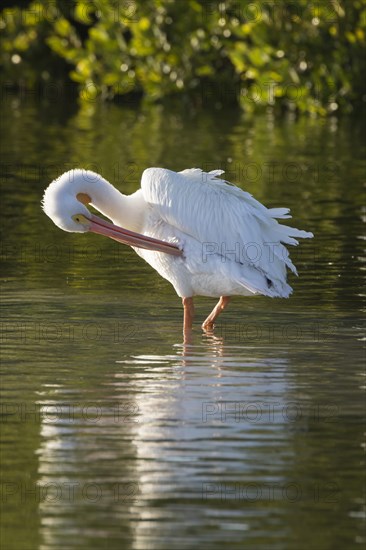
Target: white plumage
231 244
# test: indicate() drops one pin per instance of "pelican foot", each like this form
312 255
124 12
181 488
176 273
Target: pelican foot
208 324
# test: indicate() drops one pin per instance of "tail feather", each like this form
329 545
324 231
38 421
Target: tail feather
280 213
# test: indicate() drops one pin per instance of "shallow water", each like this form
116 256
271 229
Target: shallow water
115 434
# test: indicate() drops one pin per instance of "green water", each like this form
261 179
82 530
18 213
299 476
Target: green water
115 434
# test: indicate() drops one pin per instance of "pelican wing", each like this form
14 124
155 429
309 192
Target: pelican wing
228 219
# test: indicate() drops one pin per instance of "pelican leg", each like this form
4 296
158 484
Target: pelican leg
220 306
188 318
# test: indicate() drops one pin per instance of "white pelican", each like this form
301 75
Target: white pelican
204 235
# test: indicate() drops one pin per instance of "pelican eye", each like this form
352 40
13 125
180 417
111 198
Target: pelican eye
80 218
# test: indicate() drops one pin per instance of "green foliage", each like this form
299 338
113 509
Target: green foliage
298 55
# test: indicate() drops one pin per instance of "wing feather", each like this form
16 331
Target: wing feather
214 211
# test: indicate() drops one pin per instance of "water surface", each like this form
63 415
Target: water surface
115 434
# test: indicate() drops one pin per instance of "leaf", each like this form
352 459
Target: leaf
62 27
82 12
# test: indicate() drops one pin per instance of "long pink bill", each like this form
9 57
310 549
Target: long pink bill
102 227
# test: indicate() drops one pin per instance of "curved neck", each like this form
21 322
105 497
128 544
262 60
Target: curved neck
123 210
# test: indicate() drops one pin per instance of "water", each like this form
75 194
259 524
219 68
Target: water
115 434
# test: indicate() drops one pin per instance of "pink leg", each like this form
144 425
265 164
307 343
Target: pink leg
220 306
188 318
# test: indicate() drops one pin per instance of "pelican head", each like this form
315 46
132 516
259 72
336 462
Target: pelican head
68 214
65 200
65 205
